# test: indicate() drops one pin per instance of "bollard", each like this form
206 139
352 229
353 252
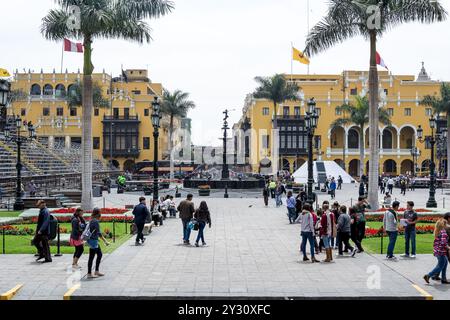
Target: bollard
382 237
226 196
4 239
443 203
114 231
125 221
58 243
103 202
351 202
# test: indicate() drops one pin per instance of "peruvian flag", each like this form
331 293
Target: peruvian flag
72 46
380 61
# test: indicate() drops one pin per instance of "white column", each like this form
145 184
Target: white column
51 142
68 142
398 141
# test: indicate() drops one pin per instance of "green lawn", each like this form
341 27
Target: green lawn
424 242
22 245
8 214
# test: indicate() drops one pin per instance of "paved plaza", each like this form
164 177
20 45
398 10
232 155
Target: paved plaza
252 252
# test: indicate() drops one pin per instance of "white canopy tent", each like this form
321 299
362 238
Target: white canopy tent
332 169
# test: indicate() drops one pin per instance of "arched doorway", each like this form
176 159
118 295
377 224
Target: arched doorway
407 167
407 138
337 137
35 90
129 165
390 167
48 90
353 168
353 139
389 138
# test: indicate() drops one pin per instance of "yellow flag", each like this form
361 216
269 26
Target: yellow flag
4 73
300 56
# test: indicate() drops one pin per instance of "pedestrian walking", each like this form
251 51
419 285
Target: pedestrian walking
186 210
327 230
440 249
266 193
333 188
390 225
360 208
41 237
390 185
335 209
78 225
344 229
362 189
272 186
307 232
403 187
290 202
278 195
354 229
410 219
94 246
203 217
340 182
141 214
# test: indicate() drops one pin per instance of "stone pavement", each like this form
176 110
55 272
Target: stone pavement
252 252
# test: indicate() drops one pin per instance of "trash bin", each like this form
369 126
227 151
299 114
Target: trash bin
97 192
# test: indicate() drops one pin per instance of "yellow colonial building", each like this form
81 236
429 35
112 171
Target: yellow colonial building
269 133
127 120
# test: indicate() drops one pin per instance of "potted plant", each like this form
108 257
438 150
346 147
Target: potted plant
204 191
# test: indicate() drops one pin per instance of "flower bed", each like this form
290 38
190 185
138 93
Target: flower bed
14 231
421 219
102 211
376 233
117 219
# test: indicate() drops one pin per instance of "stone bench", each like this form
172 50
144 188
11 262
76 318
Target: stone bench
147 228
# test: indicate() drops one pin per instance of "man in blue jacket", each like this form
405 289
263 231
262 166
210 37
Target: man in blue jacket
42 233
141 215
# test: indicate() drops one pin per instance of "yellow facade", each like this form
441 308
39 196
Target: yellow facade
132 95
401 94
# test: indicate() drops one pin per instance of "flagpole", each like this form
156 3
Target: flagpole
292 61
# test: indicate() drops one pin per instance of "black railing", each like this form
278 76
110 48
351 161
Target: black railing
120 118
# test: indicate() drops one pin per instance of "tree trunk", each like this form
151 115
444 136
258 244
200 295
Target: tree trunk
374 158
86 160
361 151
172 169
448 146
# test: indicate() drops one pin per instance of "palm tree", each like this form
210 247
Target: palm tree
358 114
276 89
99 19
370 19
175 105
441 105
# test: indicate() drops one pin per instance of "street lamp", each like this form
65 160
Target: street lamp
415 153
311 120
18 139
433 139
5 89
156 119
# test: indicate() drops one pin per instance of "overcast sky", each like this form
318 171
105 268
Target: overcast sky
213 49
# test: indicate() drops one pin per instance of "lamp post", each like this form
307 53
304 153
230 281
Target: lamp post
433 139
225 170
18 139
415 153
156 119
5 89
311 124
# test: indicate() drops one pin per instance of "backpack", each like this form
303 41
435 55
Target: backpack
87 234
53 225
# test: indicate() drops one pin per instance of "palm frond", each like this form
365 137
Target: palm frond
143 9
329 32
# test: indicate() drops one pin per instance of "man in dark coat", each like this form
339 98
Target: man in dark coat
186 210
42 233
141 214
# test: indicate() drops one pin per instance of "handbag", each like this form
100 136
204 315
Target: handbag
193 224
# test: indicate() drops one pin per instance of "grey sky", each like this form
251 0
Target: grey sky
214 48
